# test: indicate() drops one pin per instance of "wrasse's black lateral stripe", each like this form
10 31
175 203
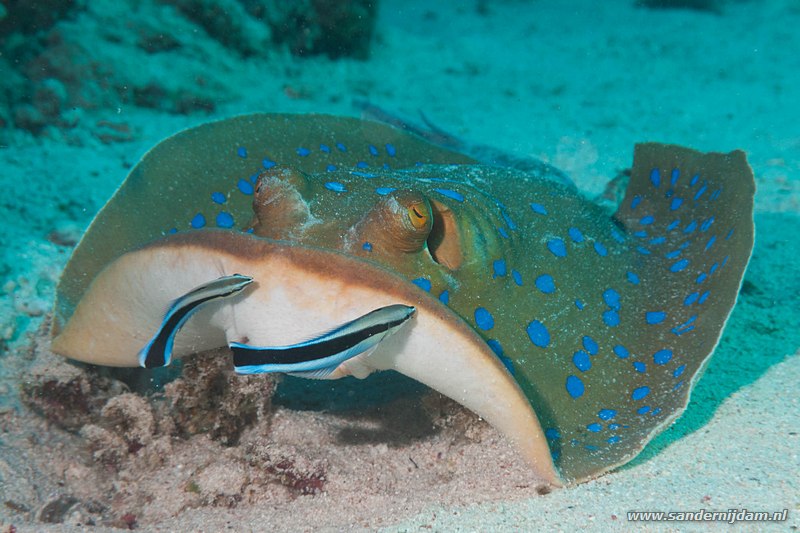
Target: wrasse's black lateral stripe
310 351
156 355
159 349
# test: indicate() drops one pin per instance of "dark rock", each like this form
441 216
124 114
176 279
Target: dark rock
335 28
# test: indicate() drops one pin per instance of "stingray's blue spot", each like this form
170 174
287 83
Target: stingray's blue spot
611 298
700 191
335 186
701 277
725 260
675 174
594 427
658 240
303 152
673 254
591 447
581 361
621 351
173 230
241 152
613 440
503 233
694 180
557 247
729 235
710 242
575 234
685 327
268 163
362 164
373 150
640 393
679 265
713 268
636 201
218 198
678 371
538 334
575 386
645 220
545 283
457 196
330 167
325 148
632 277
198 221
445 297
655 177
674 224
611 318
600 249
341 147
706 224
499 267
703 297
538 208
642 250
643 409
391 150
678 385
422 283
517 277
691 298
606 414
590 345
715 194
367 246
675 203
579 304
484 319
250 230
254 179
617 236
498 351
383 191
662 357
641 234
655 317
509 221
640 367
244 186
552 433
224 220
655 411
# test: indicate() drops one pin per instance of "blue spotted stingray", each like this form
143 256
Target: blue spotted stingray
578 333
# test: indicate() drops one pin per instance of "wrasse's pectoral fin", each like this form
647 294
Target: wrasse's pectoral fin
158 351
318 357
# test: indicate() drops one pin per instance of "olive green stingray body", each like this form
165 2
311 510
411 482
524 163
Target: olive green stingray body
604 321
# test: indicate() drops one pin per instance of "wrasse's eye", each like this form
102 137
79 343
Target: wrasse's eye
419 215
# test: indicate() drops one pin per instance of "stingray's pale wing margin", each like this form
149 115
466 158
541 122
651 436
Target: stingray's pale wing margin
123 308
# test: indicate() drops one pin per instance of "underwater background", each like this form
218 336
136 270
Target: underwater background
87 87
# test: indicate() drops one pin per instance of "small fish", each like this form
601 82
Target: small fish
321 355
158 352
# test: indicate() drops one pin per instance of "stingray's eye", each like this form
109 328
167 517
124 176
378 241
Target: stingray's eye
419 213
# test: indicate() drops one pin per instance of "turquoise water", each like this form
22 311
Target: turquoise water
89 87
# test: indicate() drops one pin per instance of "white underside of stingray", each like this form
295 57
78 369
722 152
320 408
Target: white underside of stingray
297 292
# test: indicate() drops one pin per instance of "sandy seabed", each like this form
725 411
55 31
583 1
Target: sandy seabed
569 84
